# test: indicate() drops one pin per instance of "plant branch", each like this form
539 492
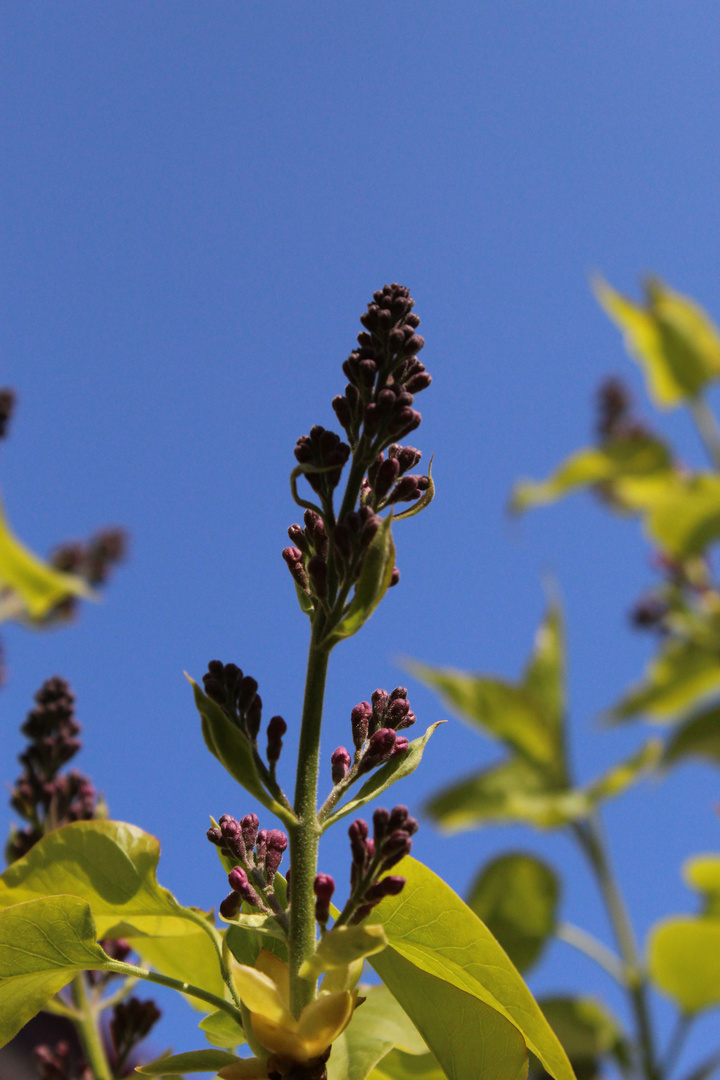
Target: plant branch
676 1043
589 945
85 1021
122 968
591 841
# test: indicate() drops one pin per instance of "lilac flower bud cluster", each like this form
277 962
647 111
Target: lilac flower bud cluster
7 406
324 450
373 856
40 796
375 730
257 853
387 482
132 1021
60 1062
384 372
226 685
92 560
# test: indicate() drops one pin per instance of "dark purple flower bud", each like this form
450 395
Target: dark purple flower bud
408 457
408 720
387 886
276 840
238 881
216 668
362 912
405 421
277 843
293 556
358 833
352 521
253 717
366 372
7 404
341 541
379 749
395 848
398 692
386 402
414 344
324 887
215 837
275 731
318 571
386 476
246 692
360 720
401 745
380 699
230 907
396 340
381 821
250 825
407 489
342 411
412 321
340 761
214 689
298 538
398 817
397 710
394 577
418 382
261 847
370 417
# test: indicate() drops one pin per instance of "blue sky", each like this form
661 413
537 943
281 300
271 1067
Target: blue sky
198 201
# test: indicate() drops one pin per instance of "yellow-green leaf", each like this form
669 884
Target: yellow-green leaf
675 680
221 1030
343 946
39 586
376 1028
684 961
43 945
702 872
194 1061
672 338
430 928
399 1066
684 517
516 896
373 583
698 737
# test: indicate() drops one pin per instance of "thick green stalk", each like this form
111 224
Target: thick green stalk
591 840
305 835
86 1022
122 968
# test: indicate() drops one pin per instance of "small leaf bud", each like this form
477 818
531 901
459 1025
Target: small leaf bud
340 761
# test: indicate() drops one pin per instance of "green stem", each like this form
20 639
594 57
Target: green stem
592 843
87 1027
176 984
221 951
585 943
676 1043
305 835
707 427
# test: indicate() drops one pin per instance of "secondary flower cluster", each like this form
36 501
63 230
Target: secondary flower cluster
373 856
131 1023
257 854
40 796
61 1062
375 729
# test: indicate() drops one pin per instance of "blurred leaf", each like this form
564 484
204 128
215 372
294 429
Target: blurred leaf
702 872
376 1027
193 1061
621 776
684 961
373 583
43 945
587 1031
684 518
399 1066
430 930
112 866
698 737
673 339
681 674
343 946
233 750
640 458
38 585
396 769
528 716
516 896
221 1030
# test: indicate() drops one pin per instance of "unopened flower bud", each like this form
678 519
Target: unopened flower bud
215 837
253 717
401 745
246 693
342 411
381 820
230 907
324 887
340 761
395 848
277 843
386 476
297 536
387 886
397 710
360 720
380 699
418 382
275 731
293 556
238 882
379 749
318 571
250 825
358 833
261 847
394 577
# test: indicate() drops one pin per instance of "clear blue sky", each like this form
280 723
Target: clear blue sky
197 202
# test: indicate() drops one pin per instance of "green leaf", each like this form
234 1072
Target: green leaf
672 338
190 958
424 501
516 896
112 866
233 750
633 468
306 605
343 946
684 961
43 945
431 930
373 583
399 1066
245 944
38 586
221 1030
396 769
675 680
193 1061
702 872
469 1039
626 773
544 677
698 737
376 1027
684 518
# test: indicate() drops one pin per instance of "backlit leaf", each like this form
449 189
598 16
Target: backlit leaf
374 581
43 945
221 1030
190 958
516 896
376 1028
675 680
192 1062
400 1066
702 872
698 737
430 928
684 961
684 518
342 947
380 780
